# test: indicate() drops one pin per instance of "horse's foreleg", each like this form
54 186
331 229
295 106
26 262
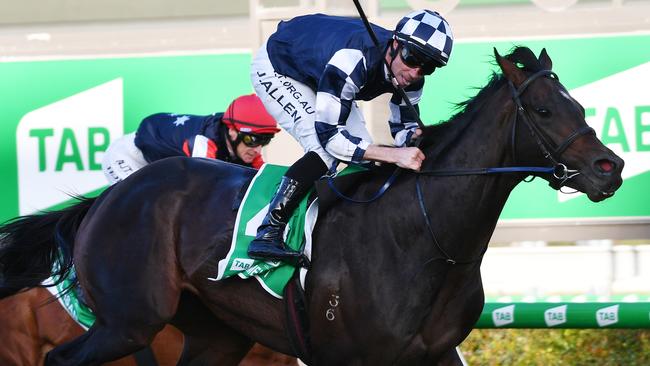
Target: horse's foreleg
208 341
218 349
128 319
100 345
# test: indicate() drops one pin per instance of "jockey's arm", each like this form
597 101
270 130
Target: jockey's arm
200 146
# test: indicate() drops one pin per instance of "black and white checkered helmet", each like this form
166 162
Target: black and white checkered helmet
429 32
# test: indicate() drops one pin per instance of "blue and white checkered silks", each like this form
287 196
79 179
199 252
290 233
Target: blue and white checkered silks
343 77
429 32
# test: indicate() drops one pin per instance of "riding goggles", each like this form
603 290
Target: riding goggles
255 140
414 58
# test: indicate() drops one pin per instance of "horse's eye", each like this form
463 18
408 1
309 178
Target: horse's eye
543 112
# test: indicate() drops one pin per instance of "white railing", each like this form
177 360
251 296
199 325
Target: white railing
541 271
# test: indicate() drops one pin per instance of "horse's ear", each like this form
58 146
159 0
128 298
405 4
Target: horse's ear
545 60
510 70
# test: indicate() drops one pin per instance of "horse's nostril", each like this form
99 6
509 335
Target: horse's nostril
605 166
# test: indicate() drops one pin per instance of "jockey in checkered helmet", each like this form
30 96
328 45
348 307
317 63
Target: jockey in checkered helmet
428 33
311 88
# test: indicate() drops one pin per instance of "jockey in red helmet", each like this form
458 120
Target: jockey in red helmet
249 128
235 136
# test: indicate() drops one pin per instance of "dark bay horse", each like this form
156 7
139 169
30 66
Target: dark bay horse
393 282
31 324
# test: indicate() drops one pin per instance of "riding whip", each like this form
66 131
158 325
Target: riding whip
399 89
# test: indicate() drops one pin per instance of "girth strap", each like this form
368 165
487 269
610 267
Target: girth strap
297 320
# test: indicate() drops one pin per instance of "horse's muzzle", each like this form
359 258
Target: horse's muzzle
605 176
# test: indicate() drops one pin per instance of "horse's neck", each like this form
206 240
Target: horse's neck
473 201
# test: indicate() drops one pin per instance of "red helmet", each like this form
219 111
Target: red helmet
247 114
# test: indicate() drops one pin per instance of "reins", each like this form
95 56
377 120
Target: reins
387 184
448 259
559 171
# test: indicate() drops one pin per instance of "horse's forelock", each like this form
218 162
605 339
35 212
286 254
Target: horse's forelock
525 58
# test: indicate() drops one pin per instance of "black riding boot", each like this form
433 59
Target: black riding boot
269 243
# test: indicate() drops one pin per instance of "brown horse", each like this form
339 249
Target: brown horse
31 324
395 281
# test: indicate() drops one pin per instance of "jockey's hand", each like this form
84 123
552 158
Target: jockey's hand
403 157
409 158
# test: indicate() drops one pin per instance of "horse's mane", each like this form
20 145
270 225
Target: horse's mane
442 135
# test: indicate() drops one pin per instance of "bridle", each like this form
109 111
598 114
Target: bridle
549 149
560 172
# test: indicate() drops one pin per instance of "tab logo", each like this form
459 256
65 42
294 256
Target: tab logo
555 316
618 108
607 316
241 264
503 316
61 145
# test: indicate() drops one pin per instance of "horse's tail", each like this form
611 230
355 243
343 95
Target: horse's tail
36 247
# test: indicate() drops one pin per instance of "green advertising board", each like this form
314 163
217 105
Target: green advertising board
60 115
608 76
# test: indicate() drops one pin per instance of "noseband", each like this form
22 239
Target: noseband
549 149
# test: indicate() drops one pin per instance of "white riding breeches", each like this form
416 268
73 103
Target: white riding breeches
122 159
293 105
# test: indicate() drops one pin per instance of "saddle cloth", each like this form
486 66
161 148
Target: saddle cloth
272 275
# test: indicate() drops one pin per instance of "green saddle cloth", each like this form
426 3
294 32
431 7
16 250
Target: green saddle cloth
273 276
